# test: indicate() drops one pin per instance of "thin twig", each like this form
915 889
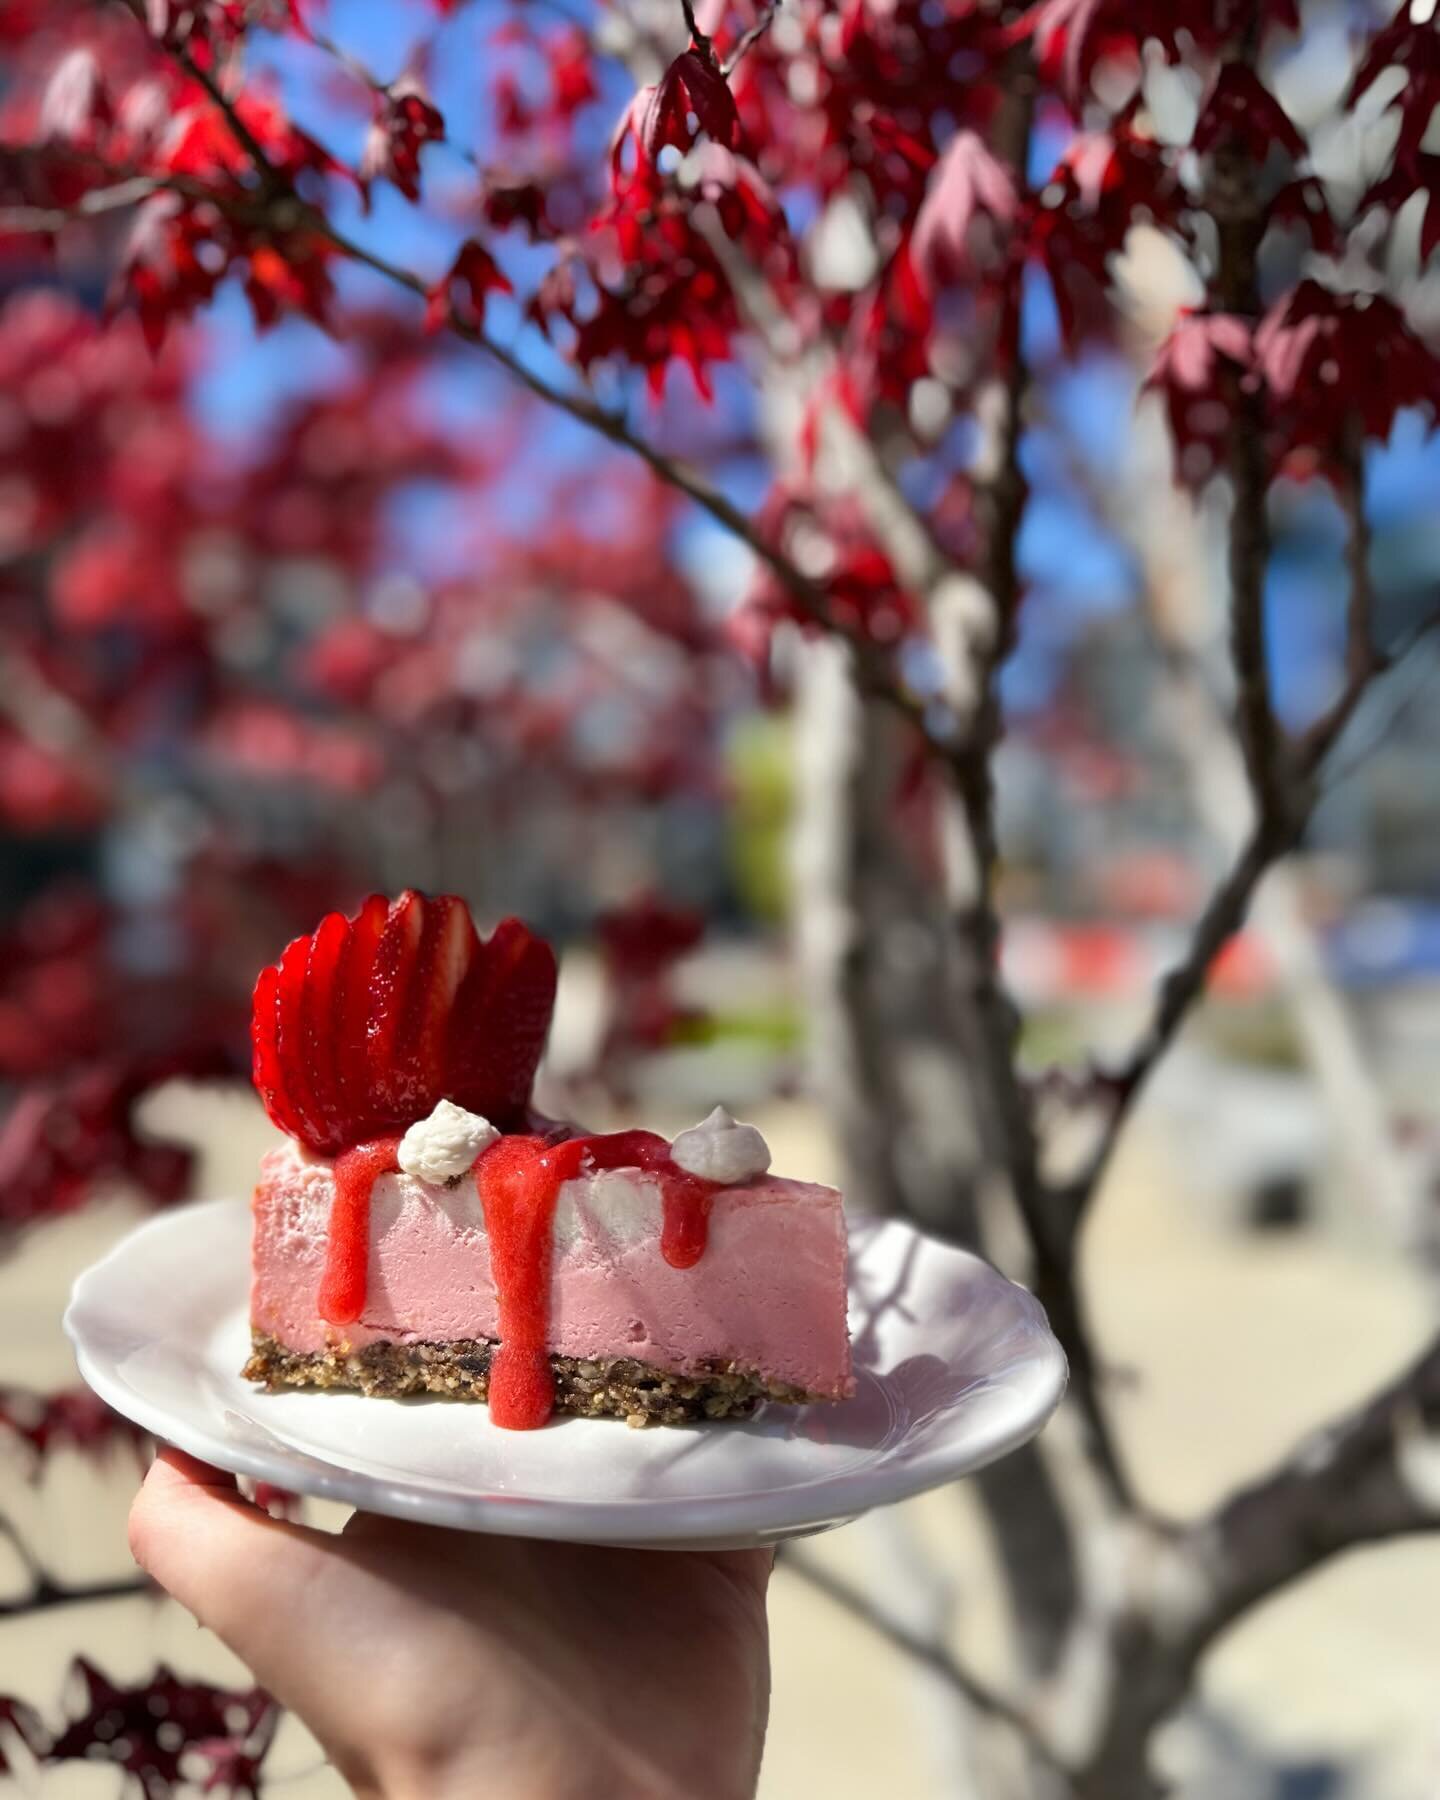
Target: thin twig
978 921
1279 777
697 36
1233 199
1262 738
48 1595
1182 987
12 1535
749 40
16 219
1363 658
269 175
348 64
1400 708
923 1650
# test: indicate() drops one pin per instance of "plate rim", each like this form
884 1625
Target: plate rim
675 1522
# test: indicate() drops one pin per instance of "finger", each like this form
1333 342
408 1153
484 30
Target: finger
200 1474
280 1595
216 1554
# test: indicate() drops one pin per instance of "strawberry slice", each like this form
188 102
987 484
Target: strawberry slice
265 1067
392 983
328 944
290 1040
362 1026
448 948
501 1019
352 1012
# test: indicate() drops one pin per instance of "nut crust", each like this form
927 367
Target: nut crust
620 1388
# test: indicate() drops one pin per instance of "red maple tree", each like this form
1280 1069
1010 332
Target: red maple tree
786 271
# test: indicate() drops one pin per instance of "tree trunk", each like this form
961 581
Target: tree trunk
887 1065
887 1029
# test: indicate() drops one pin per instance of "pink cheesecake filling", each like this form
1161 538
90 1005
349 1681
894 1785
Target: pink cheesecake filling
768 1294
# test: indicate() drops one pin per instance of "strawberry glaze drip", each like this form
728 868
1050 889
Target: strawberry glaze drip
518 1180
347 1251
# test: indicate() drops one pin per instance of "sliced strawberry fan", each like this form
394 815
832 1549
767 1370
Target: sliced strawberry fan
363 1025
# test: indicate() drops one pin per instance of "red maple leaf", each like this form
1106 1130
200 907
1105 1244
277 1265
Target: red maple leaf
180 250
968 183
692 87
1411 172
1303 202
1103 184
73 1417
76 107
1327 357
153 1729
666 298
461 292
406 119
570 57
645 936
200 143
863 594
514 200
1413 45
660 117
1195 370
1240 112
641 945
21 1718
1072 36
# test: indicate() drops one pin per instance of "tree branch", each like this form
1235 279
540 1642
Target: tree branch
1050 1220
1372 1476
1261 738
874 667
976 922
16 219
1182 987
875 672
1363 658
48 1595
925 1651
1282 776
270 178
1269 839
750 39
697 36
1233 200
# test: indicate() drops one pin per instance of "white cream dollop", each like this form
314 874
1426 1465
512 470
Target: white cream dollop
444 1146
721 1149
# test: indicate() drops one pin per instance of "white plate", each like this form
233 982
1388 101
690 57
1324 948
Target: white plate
955 1367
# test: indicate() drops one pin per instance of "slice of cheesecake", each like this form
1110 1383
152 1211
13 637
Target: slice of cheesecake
407 1241
759 1314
